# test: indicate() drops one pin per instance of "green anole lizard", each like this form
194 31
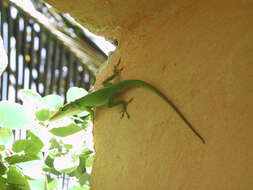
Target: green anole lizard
107 95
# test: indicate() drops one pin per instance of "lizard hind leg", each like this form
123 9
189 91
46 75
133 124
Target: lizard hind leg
124 109
116 72
123 103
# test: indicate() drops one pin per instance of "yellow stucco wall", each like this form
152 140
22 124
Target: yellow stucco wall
200 54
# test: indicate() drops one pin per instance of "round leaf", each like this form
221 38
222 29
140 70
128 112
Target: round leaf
53 101
75 93
43 114
13 115
19 145
32 145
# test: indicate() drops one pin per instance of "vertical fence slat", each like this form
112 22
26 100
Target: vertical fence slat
37 81
24 51
17 35
47 62
1 33
31 53
74 77
59 68
67 71
10 32
4 36
53 66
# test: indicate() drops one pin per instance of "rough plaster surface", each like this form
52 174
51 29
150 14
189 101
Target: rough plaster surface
200 54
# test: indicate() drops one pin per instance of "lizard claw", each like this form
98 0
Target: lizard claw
123 114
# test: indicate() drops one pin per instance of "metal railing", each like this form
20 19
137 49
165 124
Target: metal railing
40 57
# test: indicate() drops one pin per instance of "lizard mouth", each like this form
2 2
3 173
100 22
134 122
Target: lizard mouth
71 110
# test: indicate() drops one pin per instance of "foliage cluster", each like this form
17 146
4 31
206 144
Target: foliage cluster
49 149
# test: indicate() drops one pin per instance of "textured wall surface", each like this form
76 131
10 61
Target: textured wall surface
200 54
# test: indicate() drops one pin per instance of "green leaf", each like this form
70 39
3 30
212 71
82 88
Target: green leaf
68 146
65 131
34 144
43 114
3 185
49 161
21 158
75 93
53 101
6 136
86 152
52 185
3 168
13 116
80 169
19 145
89 161
2 147
51 171
84 178
16 179
66 163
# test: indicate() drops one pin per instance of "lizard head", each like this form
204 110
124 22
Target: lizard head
65 111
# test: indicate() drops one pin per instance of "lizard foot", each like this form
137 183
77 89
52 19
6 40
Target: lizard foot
116 73
124 109
117 70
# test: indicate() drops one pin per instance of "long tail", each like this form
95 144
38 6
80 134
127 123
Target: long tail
129 83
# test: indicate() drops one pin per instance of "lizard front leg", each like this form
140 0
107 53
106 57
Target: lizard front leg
89 110
116 72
